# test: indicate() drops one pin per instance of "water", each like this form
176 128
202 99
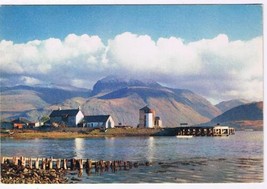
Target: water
237 158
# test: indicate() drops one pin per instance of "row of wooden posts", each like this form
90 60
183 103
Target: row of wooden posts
80 164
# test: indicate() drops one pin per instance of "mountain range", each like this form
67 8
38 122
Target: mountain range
120 97
227 105
246 116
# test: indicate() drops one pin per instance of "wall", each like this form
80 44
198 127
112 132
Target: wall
95 124
55 119
149 120
6 125
141 118
110 123
79 118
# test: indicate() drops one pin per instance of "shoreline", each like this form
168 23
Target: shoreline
68 133
80 133
17 174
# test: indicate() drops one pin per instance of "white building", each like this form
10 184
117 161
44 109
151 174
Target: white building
149 123
99 121
71 117
147 118
221 130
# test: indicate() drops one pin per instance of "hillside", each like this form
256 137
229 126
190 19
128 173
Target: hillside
227 105
29 101
244 116
123 102
120 97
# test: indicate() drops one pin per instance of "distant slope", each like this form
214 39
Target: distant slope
20 100
251 111
47 94
227 105
122 98
113 83
248 116
125 110
37 114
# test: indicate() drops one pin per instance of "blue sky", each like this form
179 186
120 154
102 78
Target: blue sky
213 50
25 23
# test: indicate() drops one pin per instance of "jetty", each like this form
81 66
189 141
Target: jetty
205 131
70 164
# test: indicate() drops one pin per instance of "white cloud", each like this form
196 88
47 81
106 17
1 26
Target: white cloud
29 80
216 68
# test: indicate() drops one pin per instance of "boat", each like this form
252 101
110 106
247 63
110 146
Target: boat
248 130
184 136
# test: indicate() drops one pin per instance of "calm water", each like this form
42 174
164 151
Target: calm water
237 158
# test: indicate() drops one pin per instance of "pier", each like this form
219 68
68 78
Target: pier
205 131
70 164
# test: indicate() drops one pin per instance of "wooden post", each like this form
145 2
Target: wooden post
125 165
96 167
58 163
108 165
120 164
89 164
50 163
16 161
7 161
130 164
13 159
23 161
30 163
72 164
80 173
101 163
80 163
2 159
37 163
19 161
65 164
43 164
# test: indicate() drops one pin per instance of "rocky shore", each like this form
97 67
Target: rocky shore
16 174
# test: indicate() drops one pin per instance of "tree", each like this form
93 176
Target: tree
45 118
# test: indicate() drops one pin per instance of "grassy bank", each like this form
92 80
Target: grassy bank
80 133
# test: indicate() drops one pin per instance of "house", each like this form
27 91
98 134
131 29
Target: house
99 121
36 124
147 118
219 130
6 125
70 117
158 122
20 123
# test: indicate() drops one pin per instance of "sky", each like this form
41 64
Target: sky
213 50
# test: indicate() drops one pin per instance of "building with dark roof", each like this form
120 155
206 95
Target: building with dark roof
6 124
147 118
70 117
98 121
21 120
20 123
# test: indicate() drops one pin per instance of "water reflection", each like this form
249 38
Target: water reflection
225 160
109 145
79 147
150 146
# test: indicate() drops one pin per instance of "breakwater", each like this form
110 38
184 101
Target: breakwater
72 164
50 170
